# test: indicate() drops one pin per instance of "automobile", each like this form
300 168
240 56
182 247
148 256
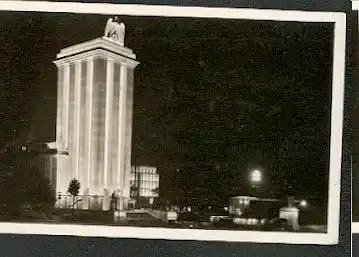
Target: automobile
192 216
223 222
277 224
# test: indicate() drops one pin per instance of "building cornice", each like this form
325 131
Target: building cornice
97 53
103 43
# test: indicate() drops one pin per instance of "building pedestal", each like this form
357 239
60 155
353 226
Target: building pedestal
291 214
106 200
86 200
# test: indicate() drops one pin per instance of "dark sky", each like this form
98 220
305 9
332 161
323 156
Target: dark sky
355 132
209 94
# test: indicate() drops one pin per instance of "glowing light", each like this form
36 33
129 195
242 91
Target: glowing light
255 221
303 203
238 211
256 176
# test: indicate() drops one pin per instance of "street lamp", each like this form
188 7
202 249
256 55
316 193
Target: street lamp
303 203
256 177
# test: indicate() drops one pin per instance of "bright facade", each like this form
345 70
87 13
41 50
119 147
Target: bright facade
94 120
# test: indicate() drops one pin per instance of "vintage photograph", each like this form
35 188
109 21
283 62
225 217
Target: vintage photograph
224 127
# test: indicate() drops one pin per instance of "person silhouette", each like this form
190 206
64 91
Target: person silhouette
113 201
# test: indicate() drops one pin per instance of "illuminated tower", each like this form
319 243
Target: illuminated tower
94 118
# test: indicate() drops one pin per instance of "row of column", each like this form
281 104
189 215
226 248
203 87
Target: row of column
78 127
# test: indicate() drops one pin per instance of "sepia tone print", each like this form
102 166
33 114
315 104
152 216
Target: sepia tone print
175 123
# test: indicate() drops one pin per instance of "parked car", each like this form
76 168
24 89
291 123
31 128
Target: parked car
277 224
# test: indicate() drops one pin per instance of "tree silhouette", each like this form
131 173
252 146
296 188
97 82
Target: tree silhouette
114 200
156 191
21 187
74 189
133 191
301 163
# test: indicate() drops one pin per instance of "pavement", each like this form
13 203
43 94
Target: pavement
314 228
144 219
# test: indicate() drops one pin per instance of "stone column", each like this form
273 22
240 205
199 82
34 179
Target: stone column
128 134
108 125
60 116
108 120
62 127
77 123
121 131
89 107
60 104
66 103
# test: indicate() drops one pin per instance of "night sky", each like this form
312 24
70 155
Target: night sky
213 98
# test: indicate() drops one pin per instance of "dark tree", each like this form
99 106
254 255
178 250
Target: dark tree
156 191
22 188
301 165
133 191
74 189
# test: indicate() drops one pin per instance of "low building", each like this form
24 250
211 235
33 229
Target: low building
145 182
31 155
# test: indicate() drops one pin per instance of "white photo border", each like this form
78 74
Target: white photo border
355 5
338 71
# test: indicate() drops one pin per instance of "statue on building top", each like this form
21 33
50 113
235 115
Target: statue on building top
115 31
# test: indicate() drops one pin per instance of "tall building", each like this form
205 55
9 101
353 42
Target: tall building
94 118
145 183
